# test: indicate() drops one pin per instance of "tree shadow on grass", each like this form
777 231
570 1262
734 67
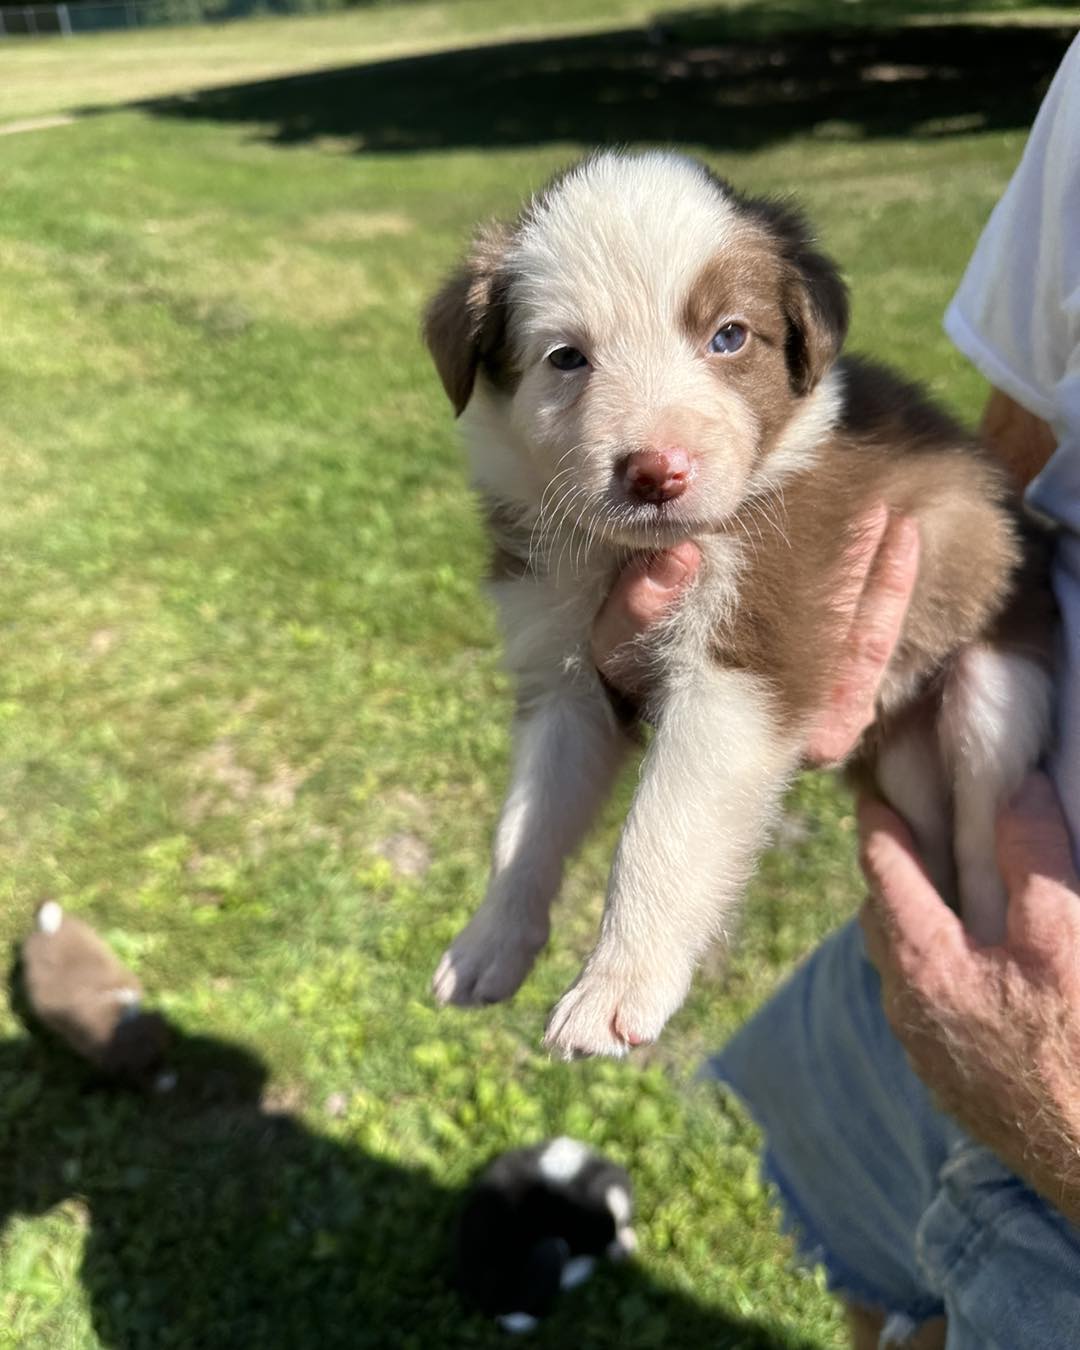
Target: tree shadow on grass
216 1222
711 80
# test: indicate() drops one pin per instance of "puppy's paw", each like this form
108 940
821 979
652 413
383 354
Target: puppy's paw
608 1014
488 960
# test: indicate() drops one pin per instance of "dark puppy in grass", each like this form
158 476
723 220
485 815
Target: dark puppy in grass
644 357
535 1222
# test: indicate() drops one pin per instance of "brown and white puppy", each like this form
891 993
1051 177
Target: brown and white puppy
647 356
77 988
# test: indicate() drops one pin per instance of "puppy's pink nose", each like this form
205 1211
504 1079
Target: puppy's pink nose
657 475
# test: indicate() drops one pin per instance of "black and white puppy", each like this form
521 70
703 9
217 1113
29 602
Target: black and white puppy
647 356
536 1221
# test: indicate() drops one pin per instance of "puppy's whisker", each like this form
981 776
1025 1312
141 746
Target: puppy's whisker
568 527
772 506
546 508
554 521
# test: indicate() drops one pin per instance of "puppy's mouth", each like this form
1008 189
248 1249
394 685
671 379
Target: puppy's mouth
637 524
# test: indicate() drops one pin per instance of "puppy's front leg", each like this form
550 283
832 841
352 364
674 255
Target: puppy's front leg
709 789
567 748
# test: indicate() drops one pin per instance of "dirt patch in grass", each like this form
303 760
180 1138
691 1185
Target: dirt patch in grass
407 854
224 785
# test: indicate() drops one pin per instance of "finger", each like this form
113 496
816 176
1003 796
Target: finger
876 921
857 562
883 605
907 914
640 597
1034 854
875 630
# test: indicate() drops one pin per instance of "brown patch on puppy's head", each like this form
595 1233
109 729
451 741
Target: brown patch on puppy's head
465 323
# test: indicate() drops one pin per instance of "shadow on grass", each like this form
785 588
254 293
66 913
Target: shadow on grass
216 1221
710 79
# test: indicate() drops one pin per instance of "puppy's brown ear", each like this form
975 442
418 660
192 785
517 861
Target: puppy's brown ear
813 294
465 323
816 301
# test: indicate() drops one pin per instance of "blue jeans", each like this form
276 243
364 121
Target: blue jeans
904 1210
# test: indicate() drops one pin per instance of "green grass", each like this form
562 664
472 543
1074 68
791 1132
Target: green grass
253 724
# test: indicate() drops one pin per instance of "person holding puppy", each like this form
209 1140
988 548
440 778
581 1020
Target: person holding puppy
920 1095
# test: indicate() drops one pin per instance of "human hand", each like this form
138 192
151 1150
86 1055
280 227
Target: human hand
993 1031
643 593
878 576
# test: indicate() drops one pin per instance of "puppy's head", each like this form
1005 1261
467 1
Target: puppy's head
639 340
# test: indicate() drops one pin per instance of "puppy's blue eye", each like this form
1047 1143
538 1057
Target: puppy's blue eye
567 358
728 339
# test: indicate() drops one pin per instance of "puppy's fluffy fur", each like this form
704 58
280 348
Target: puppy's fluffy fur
636 262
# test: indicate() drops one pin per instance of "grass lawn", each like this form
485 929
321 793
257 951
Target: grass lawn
253 724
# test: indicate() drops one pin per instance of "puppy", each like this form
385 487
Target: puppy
536 1221
647 356
76 987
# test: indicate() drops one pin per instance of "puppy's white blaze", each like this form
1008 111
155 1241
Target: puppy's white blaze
605 262
624 1243
563 1159
617 1200
49 917
618 243
995 721
517 1322
576 1271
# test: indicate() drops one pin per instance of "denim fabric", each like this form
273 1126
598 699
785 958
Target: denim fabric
903 1209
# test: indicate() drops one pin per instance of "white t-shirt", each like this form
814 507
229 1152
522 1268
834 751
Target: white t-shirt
1016 316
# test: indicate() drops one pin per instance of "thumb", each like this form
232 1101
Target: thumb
641 596
1032 838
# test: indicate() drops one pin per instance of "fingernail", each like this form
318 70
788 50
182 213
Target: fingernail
673 568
